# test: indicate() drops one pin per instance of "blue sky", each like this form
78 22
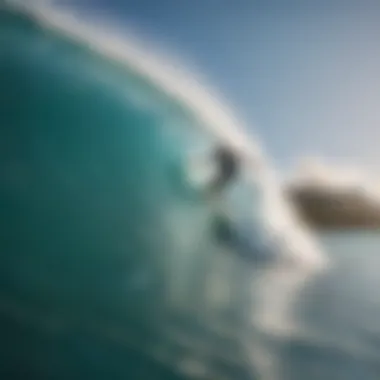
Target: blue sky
305 73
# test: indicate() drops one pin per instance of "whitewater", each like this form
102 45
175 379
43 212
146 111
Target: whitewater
203 280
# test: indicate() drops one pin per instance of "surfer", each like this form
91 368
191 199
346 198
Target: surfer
243 240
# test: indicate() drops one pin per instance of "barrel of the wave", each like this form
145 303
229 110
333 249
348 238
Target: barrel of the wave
87 188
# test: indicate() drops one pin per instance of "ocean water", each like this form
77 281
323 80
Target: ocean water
341 309
110 264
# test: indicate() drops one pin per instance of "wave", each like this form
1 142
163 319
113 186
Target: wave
298 258
181 86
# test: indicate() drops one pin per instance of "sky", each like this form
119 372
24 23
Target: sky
302 75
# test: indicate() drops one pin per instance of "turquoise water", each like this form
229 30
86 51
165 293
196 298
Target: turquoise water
110 266
98 218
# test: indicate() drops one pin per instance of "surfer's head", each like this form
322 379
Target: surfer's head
227 168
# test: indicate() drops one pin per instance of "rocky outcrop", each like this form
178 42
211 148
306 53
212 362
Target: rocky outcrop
328 208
